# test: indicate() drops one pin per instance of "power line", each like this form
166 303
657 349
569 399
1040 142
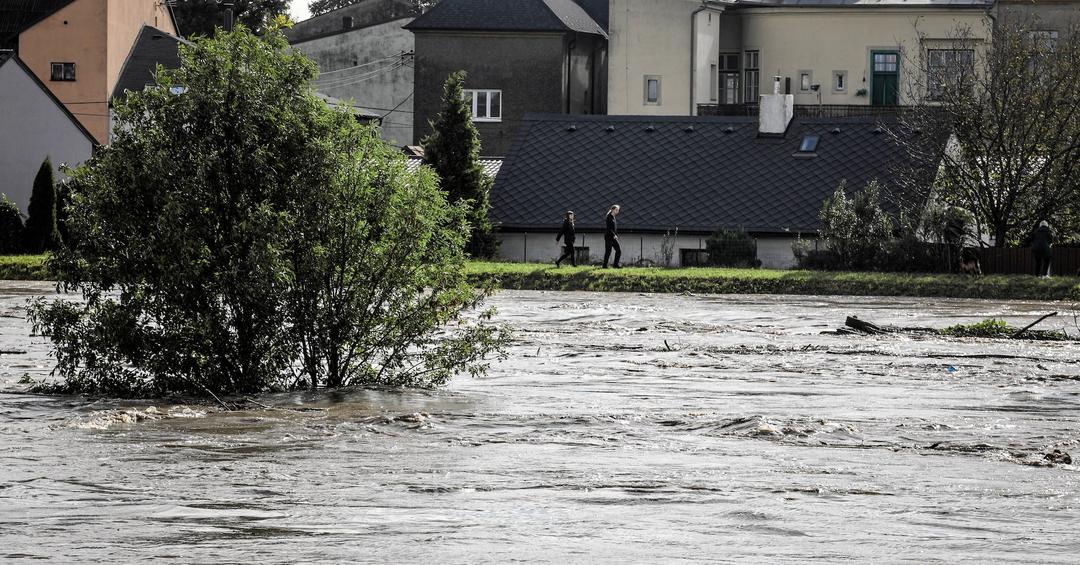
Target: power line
404 100
401 55
360 78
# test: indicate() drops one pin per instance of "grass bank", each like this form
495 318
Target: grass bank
527 276
533 276
23 268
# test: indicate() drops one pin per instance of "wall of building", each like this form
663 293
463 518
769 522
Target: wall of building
74 34
44 130
587 84
361 15
1045 15
125 20
823 40
649 38
541 247
383 82
529 68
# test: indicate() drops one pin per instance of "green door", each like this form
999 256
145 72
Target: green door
884 78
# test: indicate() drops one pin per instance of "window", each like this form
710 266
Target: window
947 66
729 78
1045 40
652 90
806 81
714 83
886 62
839 81
752 73
809 144
486 104
63 71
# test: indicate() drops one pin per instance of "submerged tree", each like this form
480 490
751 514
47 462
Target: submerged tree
238 235
1012 109
453 151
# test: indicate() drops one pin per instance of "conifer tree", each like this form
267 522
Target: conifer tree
453 150
41 232
11 226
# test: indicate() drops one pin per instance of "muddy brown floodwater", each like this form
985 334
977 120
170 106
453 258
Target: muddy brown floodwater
748 435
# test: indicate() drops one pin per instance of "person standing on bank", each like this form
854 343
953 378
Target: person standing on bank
611 237
1041 244
568 236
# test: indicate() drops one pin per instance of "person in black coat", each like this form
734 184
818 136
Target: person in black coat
1042 243
611 237
568 236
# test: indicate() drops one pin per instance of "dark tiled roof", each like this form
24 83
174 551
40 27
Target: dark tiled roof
17 16
507 15
696 173
152 47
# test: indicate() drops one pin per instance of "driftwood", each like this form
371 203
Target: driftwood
865 327
1032 324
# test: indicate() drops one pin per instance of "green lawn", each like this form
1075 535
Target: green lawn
23 268
534 276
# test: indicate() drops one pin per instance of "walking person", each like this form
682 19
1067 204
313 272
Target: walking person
568 236
1042 243
611 237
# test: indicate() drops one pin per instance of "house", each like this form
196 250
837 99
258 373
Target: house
365 57
78 48
36 125
682 57
1047 18
768 175
544 56
152 48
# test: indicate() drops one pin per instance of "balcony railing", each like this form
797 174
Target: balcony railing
805 110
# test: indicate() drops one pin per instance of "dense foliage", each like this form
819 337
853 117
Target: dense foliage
318 7
732 248
856 230
238 235
41 232
453 151
201 17
11 226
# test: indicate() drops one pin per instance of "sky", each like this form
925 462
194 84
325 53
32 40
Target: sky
298 10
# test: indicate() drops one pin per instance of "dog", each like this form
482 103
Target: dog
969 263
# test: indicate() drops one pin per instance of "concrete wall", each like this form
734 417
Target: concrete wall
649 38
823 40
34 128
385 81
541 247
363 14
529 68
97 36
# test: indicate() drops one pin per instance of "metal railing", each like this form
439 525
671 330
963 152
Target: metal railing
805 110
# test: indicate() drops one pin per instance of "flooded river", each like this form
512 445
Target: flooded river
623 428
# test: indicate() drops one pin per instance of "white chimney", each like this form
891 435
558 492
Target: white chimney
775 111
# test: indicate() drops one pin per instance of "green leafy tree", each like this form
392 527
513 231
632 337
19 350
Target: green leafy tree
732 248
11 227
41 233
201 17
223 231
856 230
318 7
453 151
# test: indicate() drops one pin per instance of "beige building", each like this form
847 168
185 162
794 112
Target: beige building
79 49
669 57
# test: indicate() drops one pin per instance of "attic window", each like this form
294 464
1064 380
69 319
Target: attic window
62 71
809 144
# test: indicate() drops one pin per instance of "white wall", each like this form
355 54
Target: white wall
32 127
774 252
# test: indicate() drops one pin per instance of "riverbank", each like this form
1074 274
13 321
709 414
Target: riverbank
23 268
534 276
531 276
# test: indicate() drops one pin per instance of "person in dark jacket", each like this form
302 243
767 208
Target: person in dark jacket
568 236
611 237
1041 244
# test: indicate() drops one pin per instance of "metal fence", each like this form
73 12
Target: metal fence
805 110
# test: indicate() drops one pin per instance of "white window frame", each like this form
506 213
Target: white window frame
64 67
945 67
843 76
809 81
472 95
659 90
751 75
